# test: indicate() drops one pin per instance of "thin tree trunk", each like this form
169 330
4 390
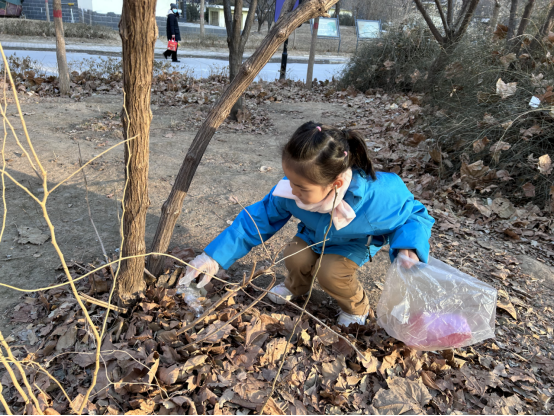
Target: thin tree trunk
337 10
495 14
47 10
311 59
522 26
545 28
202 18
512 22
138 31
63 70
280 31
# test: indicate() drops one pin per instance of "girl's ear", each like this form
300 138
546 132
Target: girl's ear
338 183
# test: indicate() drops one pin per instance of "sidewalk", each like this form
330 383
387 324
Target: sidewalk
160 47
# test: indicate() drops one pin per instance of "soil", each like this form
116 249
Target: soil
230 167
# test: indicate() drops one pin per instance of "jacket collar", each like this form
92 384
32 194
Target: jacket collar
358 186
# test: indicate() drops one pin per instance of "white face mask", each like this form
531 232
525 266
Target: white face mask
175 10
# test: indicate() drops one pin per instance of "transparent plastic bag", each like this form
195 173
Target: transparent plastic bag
434 306
191 296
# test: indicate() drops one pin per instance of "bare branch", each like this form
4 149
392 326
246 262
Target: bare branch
432 27
464 19
443 18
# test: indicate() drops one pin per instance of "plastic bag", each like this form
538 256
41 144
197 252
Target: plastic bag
434 306
191 297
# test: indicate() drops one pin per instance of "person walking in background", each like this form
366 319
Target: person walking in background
173 33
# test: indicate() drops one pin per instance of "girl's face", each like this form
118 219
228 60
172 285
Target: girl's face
306 191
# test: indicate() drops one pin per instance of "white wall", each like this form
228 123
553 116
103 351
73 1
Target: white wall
115 6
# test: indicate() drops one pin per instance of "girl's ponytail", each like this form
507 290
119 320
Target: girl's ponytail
358 154
321 153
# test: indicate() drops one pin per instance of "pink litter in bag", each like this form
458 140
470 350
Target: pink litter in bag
434 306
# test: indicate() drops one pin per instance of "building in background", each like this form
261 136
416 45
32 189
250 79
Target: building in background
217 18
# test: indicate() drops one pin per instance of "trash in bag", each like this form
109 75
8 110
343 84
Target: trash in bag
434 306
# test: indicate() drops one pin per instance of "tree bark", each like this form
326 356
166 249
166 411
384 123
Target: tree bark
280 31
63 70
202 18
512 22
545 28
311 59
236 40
495 14
138 32
518 40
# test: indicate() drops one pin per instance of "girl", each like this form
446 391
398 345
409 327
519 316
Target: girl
372 209
172 30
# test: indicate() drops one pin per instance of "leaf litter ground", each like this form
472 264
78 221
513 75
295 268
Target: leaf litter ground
147 367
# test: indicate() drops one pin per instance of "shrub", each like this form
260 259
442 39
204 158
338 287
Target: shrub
193 14
25 27
346 20
466 118
394 62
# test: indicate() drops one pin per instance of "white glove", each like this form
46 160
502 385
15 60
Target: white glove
204 264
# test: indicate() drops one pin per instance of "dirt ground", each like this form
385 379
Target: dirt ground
231 167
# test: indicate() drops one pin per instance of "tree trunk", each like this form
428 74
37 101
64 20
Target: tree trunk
545 28
260 23
337 10
280 31
516 45
512 22
495 14
47 10
138 31
202 19
235 61
311 59
63 70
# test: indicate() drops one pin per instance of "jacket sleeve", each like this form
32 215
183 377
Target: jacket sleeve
414 233
396 215
269 214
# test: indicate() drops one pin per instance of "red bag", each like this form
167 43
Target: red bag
172 45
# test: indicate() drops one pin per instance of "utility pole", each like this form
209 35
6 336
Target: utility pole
63 71
311 59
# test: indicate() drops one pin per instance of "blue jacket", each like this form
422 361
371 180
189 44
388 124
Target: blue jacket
385 209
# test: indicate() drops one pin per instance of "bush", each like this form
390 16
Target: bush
193 14
466 118
396 61
24 27
346 20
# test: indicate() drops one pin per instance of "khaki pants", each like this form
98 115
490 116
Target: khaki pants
336 276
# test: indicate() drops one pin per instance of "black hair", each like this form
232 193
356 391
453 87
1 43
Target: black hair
321 153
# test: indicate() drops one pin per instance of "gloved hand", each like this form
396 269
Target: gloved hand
204 264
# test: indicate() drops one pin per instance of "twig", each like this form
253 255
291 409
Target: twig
95 301
3 401
14 378
303 307
21 371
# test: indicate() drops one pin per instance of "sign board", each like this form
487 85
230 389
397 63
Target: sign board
367 29
328 28
279 5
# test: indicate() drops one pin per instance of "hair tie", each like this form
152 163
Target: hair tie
317 127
